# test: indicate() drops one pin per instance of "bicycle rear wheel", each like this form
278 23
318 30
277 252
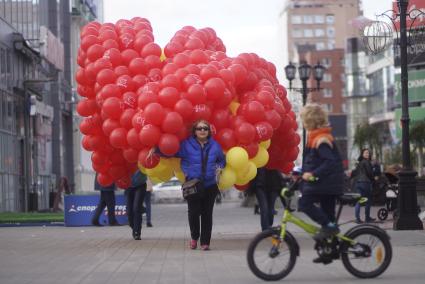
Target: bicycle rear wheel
370 256
270 258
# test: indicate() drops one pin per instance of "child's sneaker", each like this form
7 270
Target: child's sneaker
205 247
326 232
193 244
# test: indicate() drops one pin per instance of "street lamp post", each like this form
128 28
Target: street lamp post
304 72
376 38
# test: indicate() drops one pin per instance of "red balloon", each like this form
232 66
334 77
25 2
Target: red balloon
236 121
168 97
117 171
139 120
172 122
147 158
88 41
264 130
118 138
185 108
126 41
133 139
172 48
128 55
140 80
106 76
245 133
104 179
107 35
169 68
151 49
198 56
242 187
266 98
127 117
149 135
224 100
196 94
98 157
113 108
251 149
226 138
95 52
114 56
209 72
111 90
273 118
116 157
99 168
201 111
80 76
194 43
239 71
227 76
109 125
190 80
214 88
145 98
168 144
254 112
181 60
129 100
155 74
124 182
221 118
125 83
130 155
141 41
91 125
86 143
171 80
154 113
87 107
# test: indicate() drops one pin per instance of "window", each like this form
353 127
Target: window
330 31
296 19
327 93
320 46
327 77
342 77
307 19
319 33
328 107
330 19
308 33
327 62
297 33
344 108
319 19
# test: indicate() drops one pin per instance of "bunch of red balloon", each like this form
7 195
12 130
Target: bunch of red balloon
138 97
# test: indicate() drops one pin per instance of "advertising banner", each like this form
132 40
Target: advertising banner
79 210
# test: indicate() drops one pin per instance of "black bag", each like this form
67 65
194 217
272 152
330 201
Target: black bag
193 188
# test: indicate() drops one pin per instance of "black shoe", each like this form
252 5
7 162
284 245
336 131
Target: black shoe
115 224
322 259
96 223
358 221
136 236
326 232
370 220
149 224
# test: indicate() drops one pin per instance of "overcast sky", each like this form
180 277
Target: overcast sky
243 25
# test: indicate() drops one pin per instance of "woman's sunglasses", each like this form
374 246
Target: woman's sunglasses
202 128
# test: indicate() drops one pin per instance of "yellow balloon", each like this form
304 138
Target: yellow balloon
155 180
165 175
262 157
141 168
247 174
265 144
237 158
227 178
175 164
162 57
180 176
233 106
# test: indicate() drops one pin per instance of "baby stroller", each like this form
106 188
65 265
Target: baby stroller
391 193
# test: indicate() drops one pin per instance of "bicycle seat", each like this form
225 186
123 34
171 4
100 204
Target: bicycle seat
349 198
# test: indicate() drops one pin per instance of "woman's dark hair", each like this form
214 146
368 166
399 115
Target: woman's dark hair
195 124
361 158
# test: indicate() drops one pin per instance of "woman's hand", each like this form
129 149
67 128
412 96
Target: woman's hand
308 176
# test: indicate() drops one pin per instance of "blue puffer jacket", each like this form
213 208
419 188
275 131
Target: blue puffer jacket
191 161
325 163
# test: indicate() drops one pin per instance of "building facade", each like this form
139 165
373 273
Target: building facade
35 101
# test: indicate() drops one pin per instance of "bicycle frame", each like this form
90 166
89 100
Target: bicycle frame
311 229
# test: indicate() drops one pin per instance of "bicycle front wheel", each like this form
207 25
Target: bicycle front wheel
370 256
270 258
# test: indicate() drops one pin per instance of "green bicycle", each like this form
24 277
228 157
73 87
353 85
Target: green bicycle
365 250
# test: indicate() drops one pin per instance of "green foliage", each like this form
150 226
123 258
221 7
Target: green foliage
417 134
367 136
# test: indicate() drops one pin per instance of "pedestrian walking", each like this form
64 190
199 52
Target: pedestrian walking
107 199
201 158
363 184
323 174
148 203
135 195
266 185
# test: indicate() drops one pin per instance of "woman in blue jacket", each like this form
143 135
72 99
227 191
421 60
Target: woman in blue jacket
198 148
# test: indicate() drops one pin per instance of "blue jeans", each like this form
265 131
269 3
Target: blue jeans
323 214
266 200
365 190
148 206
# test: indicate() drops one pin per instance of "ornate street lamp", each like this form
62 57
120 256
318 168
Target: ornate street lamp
304 73
379 36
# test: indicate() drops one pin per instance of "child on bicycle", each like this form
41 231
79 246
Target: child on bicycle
323 173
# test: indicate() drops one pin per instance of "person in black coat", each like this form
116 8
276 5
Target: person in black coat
323 172
363 184
107 199
135 195
266 186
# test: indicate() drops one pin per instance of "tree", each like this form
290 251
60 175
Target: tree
417 138
368 136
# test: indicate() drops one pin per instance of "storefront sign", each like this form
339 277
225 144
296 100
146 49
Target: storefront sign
416 86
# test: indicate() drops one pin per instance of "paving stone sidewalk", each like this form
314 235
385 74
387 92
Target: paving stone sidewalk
109 254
